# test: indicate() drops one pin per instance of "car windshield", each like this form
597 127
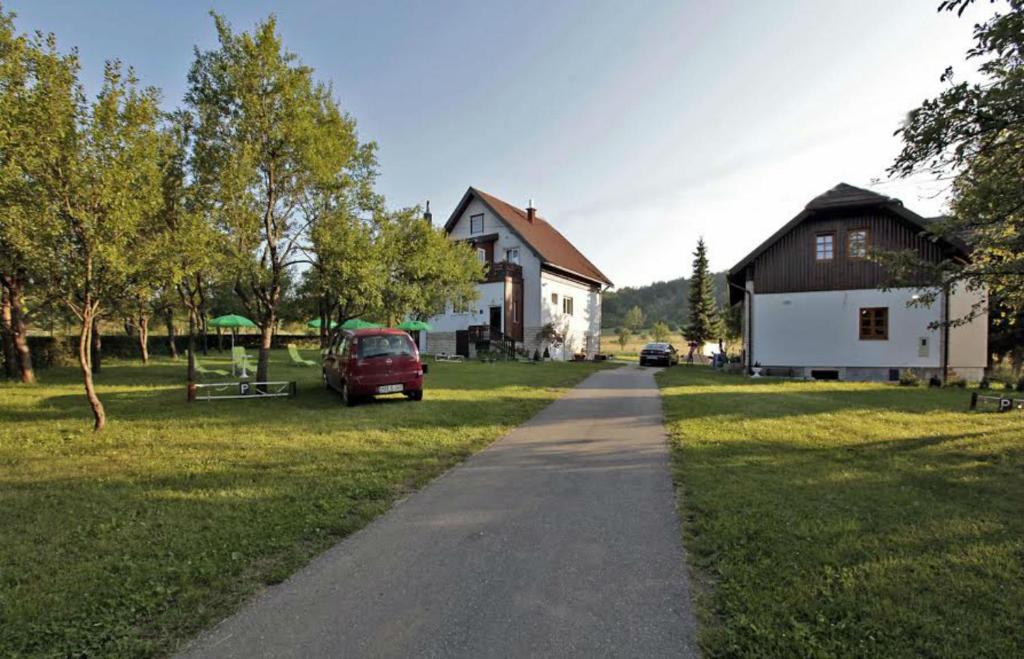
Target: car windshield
385 345
656 346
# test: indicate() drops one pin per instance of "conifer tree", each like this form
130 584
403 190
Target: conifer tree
705 323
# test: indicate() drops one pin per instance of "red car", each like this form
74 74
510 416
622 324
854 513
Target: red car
368 362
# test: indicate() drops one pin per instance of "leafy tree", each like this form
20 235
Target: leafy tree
634 319
623 336
660 332
973 134
103 178
267 135
704 322
38 97
423 269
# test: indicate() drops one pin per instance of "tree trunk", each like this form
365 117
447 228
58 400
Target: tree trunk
192 345
86 340
172 348
7 336
143 327
97 348
202 325
19 334
266 338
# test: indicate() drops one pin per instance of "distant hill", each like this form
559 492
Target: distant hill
663 301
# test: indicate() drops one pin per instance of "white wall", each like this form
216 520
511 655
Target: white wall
492 294
968 344
586 317
507 239
821 329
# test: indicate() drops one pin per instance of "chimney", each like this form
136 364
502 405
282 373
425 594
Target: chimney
426 214
531 212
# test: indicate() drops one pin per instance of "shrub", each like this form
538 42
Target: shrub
984 384
547 355
536 355
909 379
934 381
956 382
1020 384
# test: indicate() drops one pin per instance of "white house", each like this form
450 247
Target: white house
534 276
813 306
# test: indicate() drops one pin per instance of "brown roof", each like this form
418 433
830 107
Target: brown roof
551 246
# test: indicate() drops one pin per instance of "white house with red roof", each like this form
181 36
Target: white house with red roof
533 277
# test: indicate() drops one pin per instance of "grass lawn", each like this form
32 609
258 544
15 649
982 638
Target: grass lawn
127 542
851 519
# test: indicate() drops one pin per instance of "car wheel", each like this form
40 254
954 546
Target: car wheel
415 395
642 363
347 398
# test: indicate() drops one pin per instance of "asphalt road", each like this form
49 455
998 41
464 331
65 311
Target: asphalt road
560 539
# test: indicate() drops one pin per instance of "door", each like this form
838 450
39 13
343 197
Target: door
496 318
462 343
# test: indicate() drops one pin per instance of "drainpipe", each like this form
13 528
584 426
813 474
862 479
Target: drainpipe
945 333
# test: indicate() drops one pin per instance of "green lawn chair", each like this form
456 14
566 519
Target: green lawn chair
293 352
201 370
239 360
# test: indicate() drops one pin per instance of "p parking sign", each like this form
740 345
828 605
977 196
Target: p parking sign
244 388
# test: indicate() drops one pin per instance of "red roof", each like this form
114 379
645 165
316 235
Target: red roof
552 247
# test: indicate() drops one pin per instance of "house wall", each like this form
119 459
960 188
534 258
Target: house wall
968 343
584 325
789 264
441 338
820 329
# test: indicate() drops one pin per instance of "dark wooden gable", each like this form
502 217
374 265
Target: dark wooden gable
789 265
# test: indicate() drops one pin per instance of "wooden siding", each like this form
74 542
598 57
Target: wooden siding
789 265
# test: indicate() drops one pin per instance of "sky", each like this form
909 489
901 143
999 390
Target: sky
636 127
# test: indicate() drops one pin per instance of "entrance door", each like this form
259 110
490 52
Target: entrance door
496 318
462 343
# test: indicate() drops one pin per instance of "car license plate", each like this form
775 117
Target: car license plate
389 388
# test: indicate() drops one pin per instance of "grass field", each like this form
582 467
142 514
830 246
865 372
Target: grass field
126 542
828 519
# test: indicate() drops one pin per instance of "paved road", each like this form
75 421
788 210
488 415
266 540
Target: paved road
558 540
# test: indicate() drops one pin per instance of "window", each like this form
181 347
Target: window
554 298
874 324
857 243
567 305
476 224
824 246
481 255
512 255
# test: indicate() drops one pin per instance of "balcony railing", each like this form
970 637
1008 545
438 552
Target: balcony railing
502 269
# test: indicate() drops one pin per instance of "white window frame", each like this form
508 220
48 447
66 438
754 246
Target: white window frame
567 305
473 230
481 255
512 255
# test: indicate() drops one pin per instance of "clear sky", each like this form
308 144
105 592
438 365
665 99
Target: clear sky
634 126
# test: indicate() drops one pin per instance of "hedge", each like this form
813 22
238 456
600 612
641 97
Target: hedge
62 350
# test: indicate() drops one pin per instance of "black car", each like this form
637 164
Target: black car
659 354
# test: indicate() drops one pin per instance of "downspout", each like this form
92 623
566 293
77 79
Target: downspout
749 323
945 333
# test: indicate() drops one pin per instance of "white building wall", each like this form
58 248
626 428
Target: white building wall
968 344
821 329
586 318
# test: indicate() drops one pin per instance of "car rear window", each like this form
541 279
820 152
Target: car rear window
385 345
656 346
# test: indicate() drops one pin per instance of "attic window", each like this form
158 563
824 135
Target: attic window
857 243
824 246
476 224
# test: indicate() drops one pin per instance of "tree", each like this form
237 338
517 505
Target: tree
623 336
660 332
37 108
704 322
103 178
973 135
634 319
423 269
267 136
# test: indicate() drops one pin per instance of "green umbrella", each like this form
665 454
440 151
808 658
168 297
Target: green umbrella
414 326
315 324
357 323
231 320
